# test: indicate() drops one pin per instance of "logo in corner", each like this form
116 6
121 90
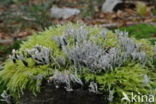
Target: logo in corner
125 98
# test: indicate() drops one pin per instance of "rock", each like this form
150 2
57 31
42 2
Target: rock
109 5
63 12
51 95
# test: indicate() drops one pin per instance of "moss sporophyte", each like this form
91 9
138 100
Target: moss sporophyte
76 54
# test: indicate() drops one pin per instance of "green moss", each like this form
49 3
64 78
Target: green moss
125 79
146 46
19 77
142 31
44 39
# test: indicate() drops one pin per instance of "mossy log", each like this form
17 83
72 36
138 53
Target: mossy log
82 62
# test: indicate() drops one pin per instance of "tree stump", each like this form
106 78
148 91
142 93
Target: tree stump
51 95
